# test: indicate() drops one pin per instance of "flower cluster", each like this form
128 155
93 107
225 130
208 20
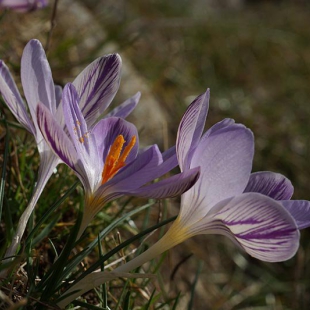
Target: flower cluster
253 210
219 194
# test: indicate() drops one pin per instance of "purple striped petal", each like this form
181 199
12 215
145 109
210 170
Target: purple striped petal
225 159
271 184
191 128
84 141
170 187
55 136
300 211
106 131
37 78
258 223
97 85
124 109
12 98
77 127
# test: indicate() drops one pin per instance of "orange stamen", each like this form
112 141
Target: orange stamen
116 159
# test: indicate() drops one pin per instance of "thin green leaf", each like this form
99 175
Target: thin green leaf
124 293
149 303
46 230
127 301
174 307
53 247
191 301
104 296
4 163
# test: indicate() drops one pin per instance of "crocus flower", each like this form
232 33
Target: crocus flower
221 201
106 157
97 85
23 5
280 188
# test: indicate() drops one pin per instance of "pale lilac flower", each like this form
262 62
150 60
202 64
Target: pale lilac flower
106 158
96 85
218 203
23 5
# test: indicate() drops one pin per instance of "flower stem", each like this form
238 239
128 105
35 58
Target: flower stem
173 237
43 176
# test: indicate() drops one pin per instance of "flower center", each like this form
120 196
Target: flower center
116 158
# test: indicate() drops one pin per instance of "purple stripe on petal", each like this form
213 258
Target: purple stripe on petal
271 184
225 159
13 99
299 210
191 128
74 119
260 225
90 164
37 78
97 85
55 136
8 79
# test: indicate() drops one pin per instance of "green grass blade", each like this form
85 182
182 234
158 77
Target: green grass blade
46 230
149 303
3 172
127 301
123 295
104 296
174 307
191 301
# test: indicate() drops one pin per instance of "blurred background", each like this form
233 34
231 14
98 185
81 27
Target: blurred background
255 58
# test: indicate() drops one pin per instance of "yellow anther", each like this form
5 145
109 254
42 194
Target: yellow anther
127 150
116 159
